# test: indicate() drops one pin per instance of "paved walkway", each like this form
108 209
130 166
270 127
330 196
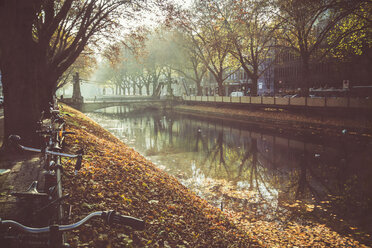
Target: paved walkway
16 175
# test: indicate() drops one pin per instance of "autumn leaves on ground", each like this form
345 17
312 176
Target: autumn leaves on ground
115 177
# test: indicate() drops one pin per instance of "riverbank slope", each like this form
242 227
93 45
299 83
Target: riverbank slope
115 176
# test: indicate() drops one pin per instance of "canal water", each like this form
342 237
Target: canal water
253 173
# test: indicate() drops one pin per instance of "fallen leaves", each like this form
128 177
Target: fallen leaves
114 176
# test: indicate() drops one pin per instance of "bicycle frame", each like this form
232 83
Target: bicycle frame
55 231
53 164
52 156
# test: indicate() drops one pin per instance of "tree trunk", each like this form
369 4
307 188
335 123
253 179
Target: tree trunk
254 86
23 97
21 71
140 90
221 88
156 88
47 89
199 88
305 75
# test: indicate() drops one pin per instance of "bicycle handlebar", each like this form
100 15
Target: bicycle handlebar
51 132
110 218
15 140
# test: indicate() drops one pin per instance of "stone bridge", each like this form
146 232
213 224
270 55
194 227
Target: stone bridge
90 105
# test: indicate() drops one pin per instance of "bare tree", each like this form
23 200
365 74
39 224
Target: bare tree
189 64
252 34
211 41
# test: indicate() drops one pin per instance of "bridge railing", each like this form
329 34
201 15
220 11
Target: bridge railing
118 98
318 102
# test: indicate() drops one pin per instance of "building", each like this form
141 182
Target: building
238 81
323 74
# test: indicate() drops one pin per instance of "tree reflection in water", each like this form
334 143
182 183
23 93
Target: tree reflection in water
254 174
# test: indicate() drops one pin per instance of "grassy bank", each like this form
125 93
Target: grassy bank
116 177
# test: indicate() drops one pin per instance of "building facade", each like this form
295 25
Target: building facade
329 73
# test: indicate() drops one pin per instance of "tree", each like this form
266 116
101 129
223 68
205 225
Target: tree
211 41
39 40
252 35
306 26
84 65
156 56
358 42
126 71
17 53
189 64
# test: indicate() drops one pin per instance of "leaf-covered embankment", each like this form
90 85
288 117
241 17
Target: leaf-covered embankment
116 177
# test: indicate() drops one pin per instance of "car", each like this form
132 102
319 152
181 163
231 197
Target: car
237 93
292 96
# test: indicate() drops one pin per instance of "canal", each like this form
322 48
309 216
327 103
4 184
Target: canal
254 174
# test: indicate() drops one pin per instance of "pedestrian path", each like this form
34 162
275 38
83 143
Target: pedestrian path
16 174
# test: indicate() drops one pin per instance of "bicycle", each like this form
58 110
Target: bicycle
54 126
54 238
53 185
53 132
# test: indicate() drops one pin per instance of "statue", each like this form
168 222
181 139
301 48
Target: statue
76 93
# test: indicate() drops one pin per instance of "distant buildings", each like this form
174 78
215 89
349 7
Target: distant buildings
324 74
239 81
285 75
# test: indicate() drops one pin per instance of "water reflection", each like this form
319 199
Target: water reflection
261 176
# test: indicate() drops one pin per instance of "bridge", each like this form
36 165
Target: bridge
93 104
